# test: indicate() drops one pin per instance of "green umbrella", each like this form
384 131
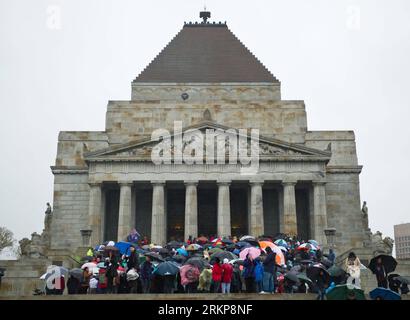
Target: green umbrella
303 278
344 292
214 250
336 271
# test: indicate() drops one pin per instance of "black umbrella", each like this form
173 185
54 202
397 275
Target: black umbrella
223 255
314 272
167 268
326 262
336 271
401 279
252 242
227 241
292 277
199 262
243 244
174 244
178 258
388 262
155 256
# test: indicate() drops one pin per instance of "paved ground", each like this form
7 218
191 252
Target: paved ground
175 297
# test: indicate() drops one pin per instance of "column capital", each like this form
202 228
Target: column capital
256 182
191 182
289 182
223 182
319 182
125 183
158 182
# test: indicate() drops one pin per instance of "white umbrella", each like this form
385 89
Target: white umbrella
247 238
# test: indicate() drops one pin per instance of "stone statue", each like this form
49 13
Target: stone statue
365 216
382 245
24 247
48 217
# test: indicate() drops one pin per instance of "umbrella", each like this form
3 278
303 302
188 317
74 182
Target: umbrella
336 271
215 250
388 262
292 277
384 294
281 243
313 272
243 244
296 269
123 247
76 273
252 242
280 258
401 279
306 246
247 237
54 269
189 274
342 292
89 265
254 253
182 252
303 278
197 262
174 244
223 255
315 243
202 239
237 261
154 256
146 247
193 247
306 262
111 248
326 262
167 268
178 258
283 249
227 241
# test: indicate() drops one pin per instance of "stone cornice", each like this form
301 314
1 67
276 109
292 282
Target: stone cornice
68 169
344 169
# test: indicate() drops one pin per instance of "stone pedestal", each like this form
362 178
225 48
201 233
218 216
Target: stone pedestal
158 226
124 214
256 222
224 209
191 209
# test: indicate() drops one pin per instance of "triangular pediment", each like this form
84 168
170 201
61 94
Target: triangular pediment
268 147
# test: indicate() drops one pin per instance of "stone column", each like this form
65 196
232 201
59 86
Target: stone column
191 209
95 213
124 214
319 212
158 224
289 209
224 209
256 217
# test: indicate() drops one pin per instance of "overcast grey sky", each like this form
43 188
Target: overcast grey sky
348 60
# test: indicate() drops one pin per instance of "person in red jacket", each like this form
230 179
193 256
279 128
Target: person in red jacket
226 276
217 275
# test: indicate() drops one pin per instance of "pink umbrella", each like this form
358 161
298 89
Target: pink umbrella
254 252
188 274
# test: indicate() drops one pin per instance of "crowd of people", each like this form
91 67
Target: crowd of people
265 265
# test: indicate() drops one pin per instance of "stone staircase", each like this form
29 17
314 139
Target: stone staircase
22 276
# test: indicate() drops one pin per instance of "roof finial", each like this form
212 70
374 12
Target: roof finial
205 15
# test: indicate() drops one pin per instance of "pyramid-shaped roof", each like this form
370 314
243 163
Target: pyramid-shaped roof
205 53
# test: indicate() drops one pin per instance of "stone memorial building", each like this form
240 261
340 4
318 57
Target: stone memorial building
106 182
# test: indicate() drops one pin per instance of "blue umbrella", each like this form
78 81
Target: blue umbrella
124 247
282 243
182 252
243 244
384 294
